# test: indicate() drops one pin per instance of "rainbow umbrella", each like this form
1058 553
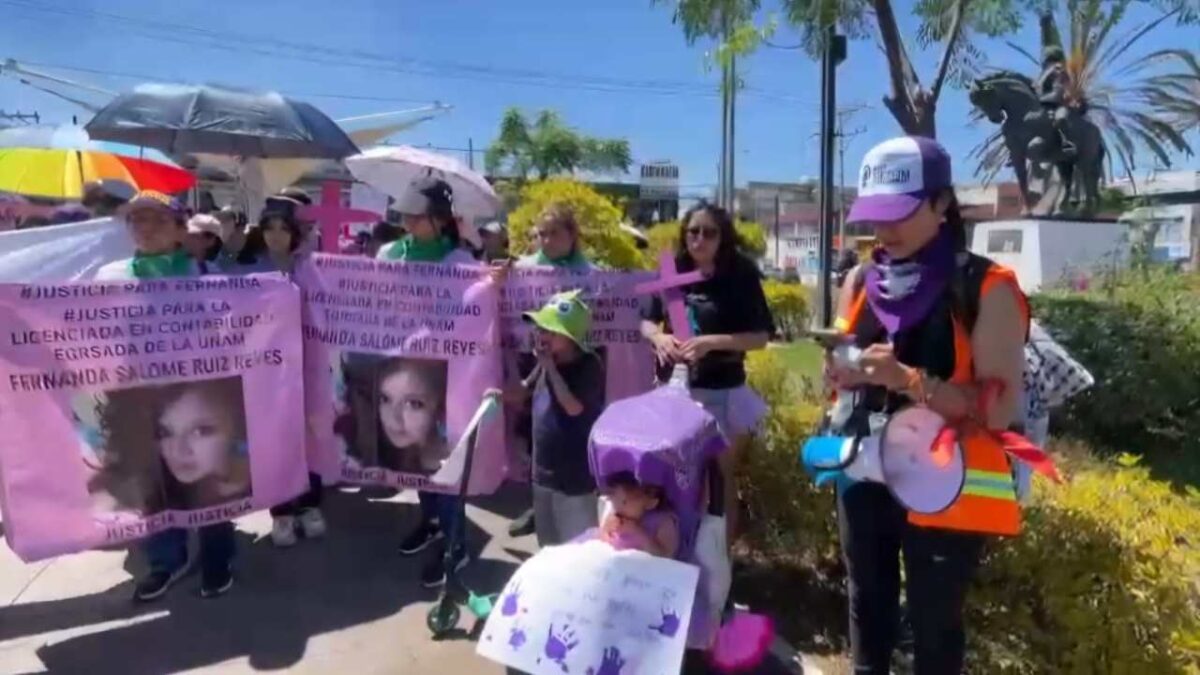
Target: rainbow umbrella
56 162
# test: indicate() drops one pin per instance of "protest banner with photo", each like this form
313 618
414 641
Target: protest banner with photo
587 608
615 336
127 408
398 357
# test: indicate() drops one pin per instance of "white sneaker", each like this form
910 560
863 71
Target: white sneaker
283 531
312 523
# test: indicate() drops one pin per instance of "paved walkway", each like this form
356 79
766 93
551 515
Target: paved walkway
346 604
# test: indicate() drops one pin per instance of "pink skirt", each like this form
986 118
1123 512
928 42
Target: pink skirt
739 411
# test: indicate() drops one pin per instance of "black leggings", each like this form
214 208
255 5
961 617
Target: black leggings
308 500
938 567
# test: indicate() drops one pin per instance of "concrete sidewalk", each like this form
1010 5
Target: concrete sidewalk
346 604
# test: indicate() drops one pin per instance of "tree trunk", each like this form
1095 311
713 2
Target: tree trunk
908 101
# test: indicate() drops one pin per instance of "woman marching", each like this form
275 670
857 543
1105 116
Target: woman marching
729 316
935 324
432 237
274 246
157 226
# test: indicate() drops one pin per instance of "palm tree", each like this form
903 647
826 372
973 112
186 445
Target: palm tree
1145 103
549 147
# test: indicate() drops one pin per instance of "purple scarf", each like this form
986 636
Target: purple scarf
902 292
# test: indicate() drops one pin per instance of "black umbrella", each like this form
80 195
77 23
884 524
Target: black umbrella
180 119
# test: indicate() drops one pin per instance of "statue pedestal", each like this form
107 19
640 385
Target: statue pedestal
1048 251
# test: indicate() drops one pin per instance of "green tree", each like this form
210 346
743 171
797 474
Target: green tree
1144 102
953 26
549 147
599 221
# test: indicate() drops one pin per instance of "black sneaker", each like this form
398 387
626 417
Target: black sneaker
420 539
523 526
156 584
433 575
215 584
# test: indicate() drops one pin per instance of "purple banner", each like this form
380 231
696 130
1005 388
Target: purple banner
398 357
128 408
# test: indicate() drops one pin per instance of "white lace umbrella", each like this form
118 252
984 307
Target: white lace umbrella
392 169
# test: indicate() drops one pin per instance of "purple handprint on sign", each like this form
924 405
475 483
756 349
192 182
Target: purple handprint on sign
611 665
516 639
510 604
559 644
670 624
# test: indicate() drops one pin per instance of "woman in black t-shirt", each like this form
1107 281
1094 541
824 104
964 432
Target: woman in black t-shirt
729 316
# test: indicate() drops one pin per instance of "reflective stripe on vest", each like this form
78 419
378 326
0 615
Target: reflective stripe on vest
988 502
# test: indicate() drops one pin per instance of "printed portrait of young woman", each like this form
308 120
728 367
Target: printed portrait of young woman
178 446
394 412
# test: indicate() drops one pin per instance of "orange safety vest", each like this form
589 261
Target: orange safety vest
988 502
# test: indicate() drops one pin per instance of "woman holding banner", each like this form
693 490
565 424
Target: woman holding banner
275 246
729 316
157 226
433 237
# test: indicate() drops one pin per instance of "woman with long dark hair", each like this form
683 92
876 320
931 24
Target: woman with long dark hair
937 327
729 316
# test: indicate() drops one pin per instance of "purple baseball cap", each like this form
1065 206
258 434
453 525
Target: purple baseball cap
897 176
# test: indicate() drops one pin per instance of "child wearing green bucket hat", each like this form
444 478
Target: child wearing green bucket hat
567 387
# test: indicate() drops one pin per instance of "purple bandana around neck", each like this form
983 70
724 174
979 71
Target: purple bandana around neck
902 292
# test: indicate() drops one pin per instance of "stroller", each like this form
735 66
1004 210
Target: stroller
665 439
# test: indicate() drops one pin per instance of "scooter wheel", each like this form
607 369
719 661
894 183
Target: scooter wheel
442 618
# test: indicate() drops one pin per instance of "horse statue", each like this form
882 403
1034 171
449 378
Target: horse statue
1035 142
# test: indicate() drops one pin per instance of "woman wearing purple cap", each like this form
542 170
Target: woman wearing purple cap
934 323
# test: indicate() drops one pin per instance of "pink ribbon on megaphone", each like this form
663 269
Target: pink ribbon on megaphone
1015 445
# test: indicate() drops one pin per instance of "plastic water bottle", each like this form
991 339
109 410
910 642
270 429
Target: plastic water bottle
679 377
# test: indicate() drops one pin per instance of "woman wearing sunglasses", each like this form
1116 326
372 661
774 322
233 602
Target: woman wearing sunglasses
729 316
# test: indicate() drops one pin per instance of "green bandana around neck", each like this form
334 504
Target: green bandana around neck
409 249
574 260
175 264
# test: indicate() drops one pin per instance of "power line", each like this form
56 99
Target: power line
275 48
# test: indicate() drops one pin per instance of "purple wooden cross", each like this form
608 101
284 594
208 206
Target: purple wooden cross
669 283
331 215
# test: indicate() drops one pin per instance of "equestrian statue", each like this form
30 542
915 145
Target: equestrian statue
1045 127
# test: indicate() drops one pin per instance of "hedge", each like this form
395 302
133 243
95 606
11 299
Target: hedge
789 306
1104 579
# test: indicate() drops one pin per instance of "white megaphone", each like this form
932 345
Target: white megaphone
925 476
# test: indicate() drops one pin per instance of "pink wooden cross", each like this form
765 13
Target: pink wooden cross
330 214
669 283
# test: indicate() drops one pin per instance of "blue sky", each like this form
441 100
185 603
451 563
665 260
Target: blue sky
621 69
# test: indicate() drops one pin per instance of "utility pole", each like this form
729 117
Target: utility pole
833 52
776 229
471 153
23 118
842 135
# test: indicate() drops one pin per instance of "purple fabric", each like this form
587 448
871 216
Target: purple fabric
901 292
884 208
663 438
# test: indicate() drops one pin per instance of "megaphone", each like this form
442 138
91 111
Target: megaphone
923 473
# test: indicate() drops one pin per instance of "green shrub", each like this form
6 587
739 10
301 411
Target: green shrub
1139 335
789 306
785 513
1105 577
599 221
1103 580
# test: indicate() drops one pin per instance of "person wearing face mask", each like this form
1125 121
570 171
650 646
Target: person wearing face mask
938 327
729 316
156 224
